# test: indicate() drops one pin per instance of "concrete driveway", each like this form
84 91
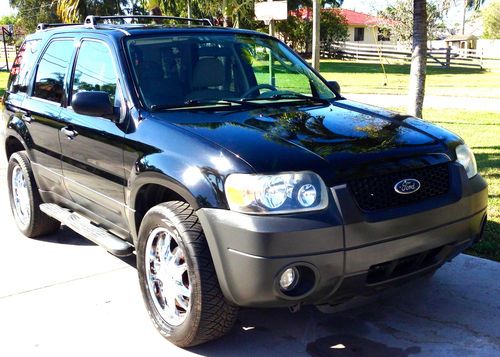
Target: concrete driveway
64 296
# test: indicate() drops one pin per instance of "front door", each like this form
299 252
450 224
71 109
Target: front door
42 108
92 151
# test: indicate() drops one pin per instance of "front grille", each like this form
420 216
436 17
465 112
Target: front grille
377 192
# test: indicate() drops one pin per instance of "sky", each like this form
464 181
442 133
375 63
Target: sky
5 8
366 6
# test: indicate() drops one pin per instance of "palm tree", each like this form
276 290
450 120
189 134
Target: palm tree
418 59
74 11
71 11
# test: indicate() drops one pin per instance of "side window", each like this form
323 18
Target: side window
25 60
94 70
49 82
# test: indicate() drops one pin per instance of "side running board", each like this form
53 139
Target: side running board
83 226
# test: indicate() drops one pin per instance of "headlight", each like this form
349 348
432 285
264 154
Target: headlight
466 158
276 194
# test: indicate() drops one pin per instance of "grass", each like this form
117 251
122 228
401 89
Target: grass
368 78
3 81
481 131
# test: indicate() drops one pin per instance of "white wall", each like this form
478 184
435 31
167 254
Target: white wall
371 34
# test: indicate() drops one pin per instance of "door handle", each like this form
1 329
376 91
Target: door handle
27 118
70 133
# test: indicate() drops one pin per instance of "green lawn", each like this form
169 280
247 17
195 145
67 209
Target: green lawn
481 131
369 78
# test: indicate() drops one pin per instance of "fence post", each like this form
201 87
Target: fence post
448 57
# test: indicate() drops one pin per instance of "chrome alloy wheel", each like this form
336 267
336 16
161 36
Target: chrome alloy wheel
167 276
21 196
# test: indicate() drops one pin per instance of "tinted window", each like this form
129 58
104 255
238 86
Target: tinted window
181 70
94 70
49 83
22 66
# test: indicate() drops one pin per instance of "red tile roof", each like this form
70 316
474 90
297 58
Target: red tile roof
352 17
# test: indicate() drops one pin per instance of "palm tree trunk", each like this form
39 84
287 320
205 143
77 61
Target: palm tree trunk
418 59
225 13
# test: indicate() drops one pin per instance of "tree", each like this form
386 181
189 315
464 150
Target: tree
32 12
7 20
491 20
418 59
75 11
297 32
399 20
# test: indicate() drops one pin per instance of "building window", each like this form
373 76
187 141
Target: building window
359 34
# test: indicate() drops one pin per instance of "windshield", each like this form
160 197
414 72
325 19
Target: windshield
194 70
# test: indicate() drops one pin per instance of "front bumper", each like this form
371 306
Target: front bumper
341 251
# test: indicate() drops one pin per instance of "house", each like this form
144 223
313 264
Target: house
461 42
363 28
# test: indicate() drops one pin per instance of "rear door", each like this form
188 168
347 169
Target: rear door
92 147
41 113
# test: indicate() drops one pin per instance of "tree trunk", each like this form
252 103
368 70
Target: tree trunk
418 59
316 32
225 17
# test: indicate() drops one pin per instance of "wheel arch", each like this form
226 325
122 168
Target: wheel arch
150 189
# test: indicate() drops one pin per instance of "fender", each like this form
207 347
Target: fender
18 129
201 187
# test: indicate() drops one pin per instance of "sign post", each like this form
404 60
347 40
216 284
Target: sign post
9 33
269 11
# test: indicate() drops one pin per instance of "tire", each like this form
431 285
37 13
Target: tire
203 314
31 221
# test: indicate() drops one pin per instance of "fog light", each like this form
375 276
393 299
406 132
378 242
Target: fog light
289 279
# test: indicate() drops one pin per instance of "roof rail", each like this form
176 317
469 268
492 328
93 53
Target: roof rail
92 21
43 26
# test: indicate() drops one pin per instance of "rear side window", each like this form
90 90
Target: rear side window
94 70
52 68
22 66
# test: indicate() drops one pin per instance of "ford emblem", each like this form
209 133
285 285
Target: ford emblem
407 186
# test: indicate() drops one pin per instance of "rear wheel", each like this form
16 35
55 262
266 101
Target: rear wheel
25 199
178 280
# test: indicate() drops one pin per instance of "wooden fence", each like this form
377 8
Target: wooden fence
445 57
11 55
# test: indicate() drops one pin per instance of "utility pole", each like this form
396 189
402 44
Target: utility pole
316 39
463 17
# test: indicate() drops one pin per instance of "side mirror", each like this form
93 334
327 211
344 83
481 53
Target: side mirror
96 104
335 86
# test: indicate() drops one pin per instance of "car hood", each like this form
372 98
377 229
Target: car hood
336 139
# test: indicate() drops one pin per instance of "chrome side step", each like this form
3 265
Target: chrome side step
84 227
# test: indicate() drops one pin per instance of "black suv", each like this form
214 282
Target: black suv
233 170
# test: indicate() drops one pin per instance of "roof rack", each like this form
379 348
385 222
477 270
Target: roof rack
43 26
92 21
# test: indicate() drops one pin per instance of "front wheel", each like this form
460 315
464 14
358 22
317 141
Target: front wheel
178 280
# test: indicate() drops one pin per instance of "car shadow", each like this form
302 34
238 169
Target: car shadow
311 332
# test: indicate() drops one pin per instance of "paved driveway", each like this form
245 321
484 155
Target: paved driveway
64 296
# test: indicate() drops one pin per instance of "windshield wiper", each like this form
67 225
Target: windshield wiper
299 96
281 96
199 103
